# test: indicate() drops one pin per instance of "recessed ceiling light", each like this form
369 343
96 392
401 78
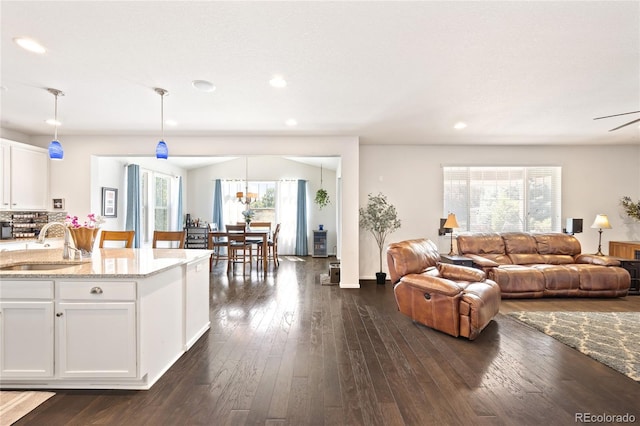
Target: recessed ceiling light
53 122
291 122
29 44
460 125
203 85
171 122
278 81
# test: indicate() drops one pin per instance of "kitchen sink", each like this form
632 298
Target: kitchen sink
37 267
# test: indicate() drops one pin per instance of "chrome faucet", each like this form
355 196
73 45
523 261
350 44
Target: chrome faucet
67 236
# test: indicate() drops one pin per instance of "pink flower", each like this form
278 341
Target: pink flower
92 222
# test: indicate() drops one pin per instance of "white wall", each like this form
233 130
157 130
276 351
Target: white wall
72 179
593 181
268 168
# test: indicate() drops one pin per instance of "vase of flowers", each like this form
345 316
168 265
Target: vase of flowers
84 234
248 216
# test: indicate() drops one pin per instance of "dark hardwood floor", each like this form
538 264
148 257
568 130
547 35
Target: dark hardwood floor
286 350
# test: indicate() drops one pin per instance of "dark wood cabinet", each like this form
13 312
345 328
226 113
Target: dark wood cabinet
633 267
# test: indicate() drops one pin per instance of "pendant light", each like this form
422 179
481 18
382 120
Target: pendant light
55 149
162 151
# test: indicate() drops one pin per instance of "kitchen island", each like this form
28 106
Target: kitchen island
117 320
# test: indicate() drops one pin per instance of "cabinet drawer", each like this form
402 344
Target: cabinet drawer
27 289
96 290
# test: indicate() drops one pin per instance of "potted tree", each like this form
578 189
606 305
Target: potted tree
380 218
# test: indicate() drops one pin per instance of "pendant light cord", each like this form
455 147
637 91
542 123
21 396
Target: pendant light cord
162 114
55 118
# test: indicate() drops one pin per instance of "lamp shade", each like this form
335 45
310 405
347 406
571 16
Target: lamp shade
451 222
55 150
162 151
601 222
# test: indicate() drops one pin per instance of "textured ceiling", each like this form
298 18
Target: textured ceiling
389 72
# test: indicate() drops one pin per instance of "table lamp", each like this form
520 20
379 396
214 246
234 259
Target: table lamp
601 222
451 223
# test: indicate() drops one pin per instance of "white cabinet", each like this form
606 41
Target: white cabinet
196 312
25 177
26 329
96 329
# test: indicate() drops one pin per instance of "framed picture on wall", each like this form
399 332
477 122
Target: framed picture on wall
109 202
58 203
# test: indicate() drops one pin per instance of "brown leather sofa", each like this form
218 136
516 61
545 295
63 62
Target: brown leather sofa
454 299
528 265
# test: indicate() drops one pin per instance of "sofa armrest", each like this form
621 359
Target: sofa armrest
429 284
598 260
482 262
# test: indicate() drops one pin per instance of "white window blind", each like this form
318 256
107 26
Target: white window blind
504 199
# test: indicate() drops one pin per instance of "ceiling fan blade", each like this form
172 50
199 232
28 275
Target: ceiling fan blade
624 125
617 115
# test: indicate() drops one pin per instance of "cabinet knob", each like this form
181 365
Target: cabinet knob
59 314
96 290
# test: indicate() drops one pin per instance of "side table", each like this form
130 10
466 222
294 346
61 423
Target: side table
456 260
633 267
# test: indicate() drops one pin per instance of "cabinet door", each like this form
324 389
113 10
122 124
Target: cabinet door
26 339
96 339
29 179
5 177
196 312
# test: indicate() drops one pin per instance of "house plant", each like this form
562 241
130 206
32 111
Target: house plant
380 218
322 196
630 208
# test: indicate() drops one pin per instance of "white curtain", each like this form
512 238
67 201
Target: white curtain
230 206
286 210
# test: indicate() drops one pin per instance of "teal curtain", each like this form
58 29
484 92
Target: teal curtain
133 202
218 217
180 220
301 220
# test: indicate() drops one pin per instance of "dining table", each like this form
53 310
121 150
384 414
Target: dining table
261 235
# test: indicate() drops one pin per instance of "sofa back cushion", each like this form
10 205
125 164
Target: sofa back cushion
521 248
557 244
487 243
411 257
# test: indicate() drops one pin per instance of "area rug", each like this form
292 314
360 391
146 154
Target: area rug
14 405
608 337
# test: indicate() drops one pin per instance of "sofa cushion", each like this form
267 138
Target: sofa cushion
490 243
519 243
559 277
601 278
597 260
558 259
557 244
460 273
518 279
525 258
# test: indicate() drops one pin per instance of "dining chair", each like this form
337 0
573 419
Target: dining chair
257 242
238 249
272 247
124 236
169 237
217 241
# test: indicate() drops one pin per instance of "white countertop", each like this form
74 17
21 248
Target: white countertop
104 263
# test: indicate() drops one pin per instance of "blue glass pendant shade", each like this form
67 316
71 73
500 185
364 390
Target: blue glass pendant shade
162 151
55 150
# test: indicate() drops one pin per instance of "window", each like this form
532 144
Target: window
156 192
504 199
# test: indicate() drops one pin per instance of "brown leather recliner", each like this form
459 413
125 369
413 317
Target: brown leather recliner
454 299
